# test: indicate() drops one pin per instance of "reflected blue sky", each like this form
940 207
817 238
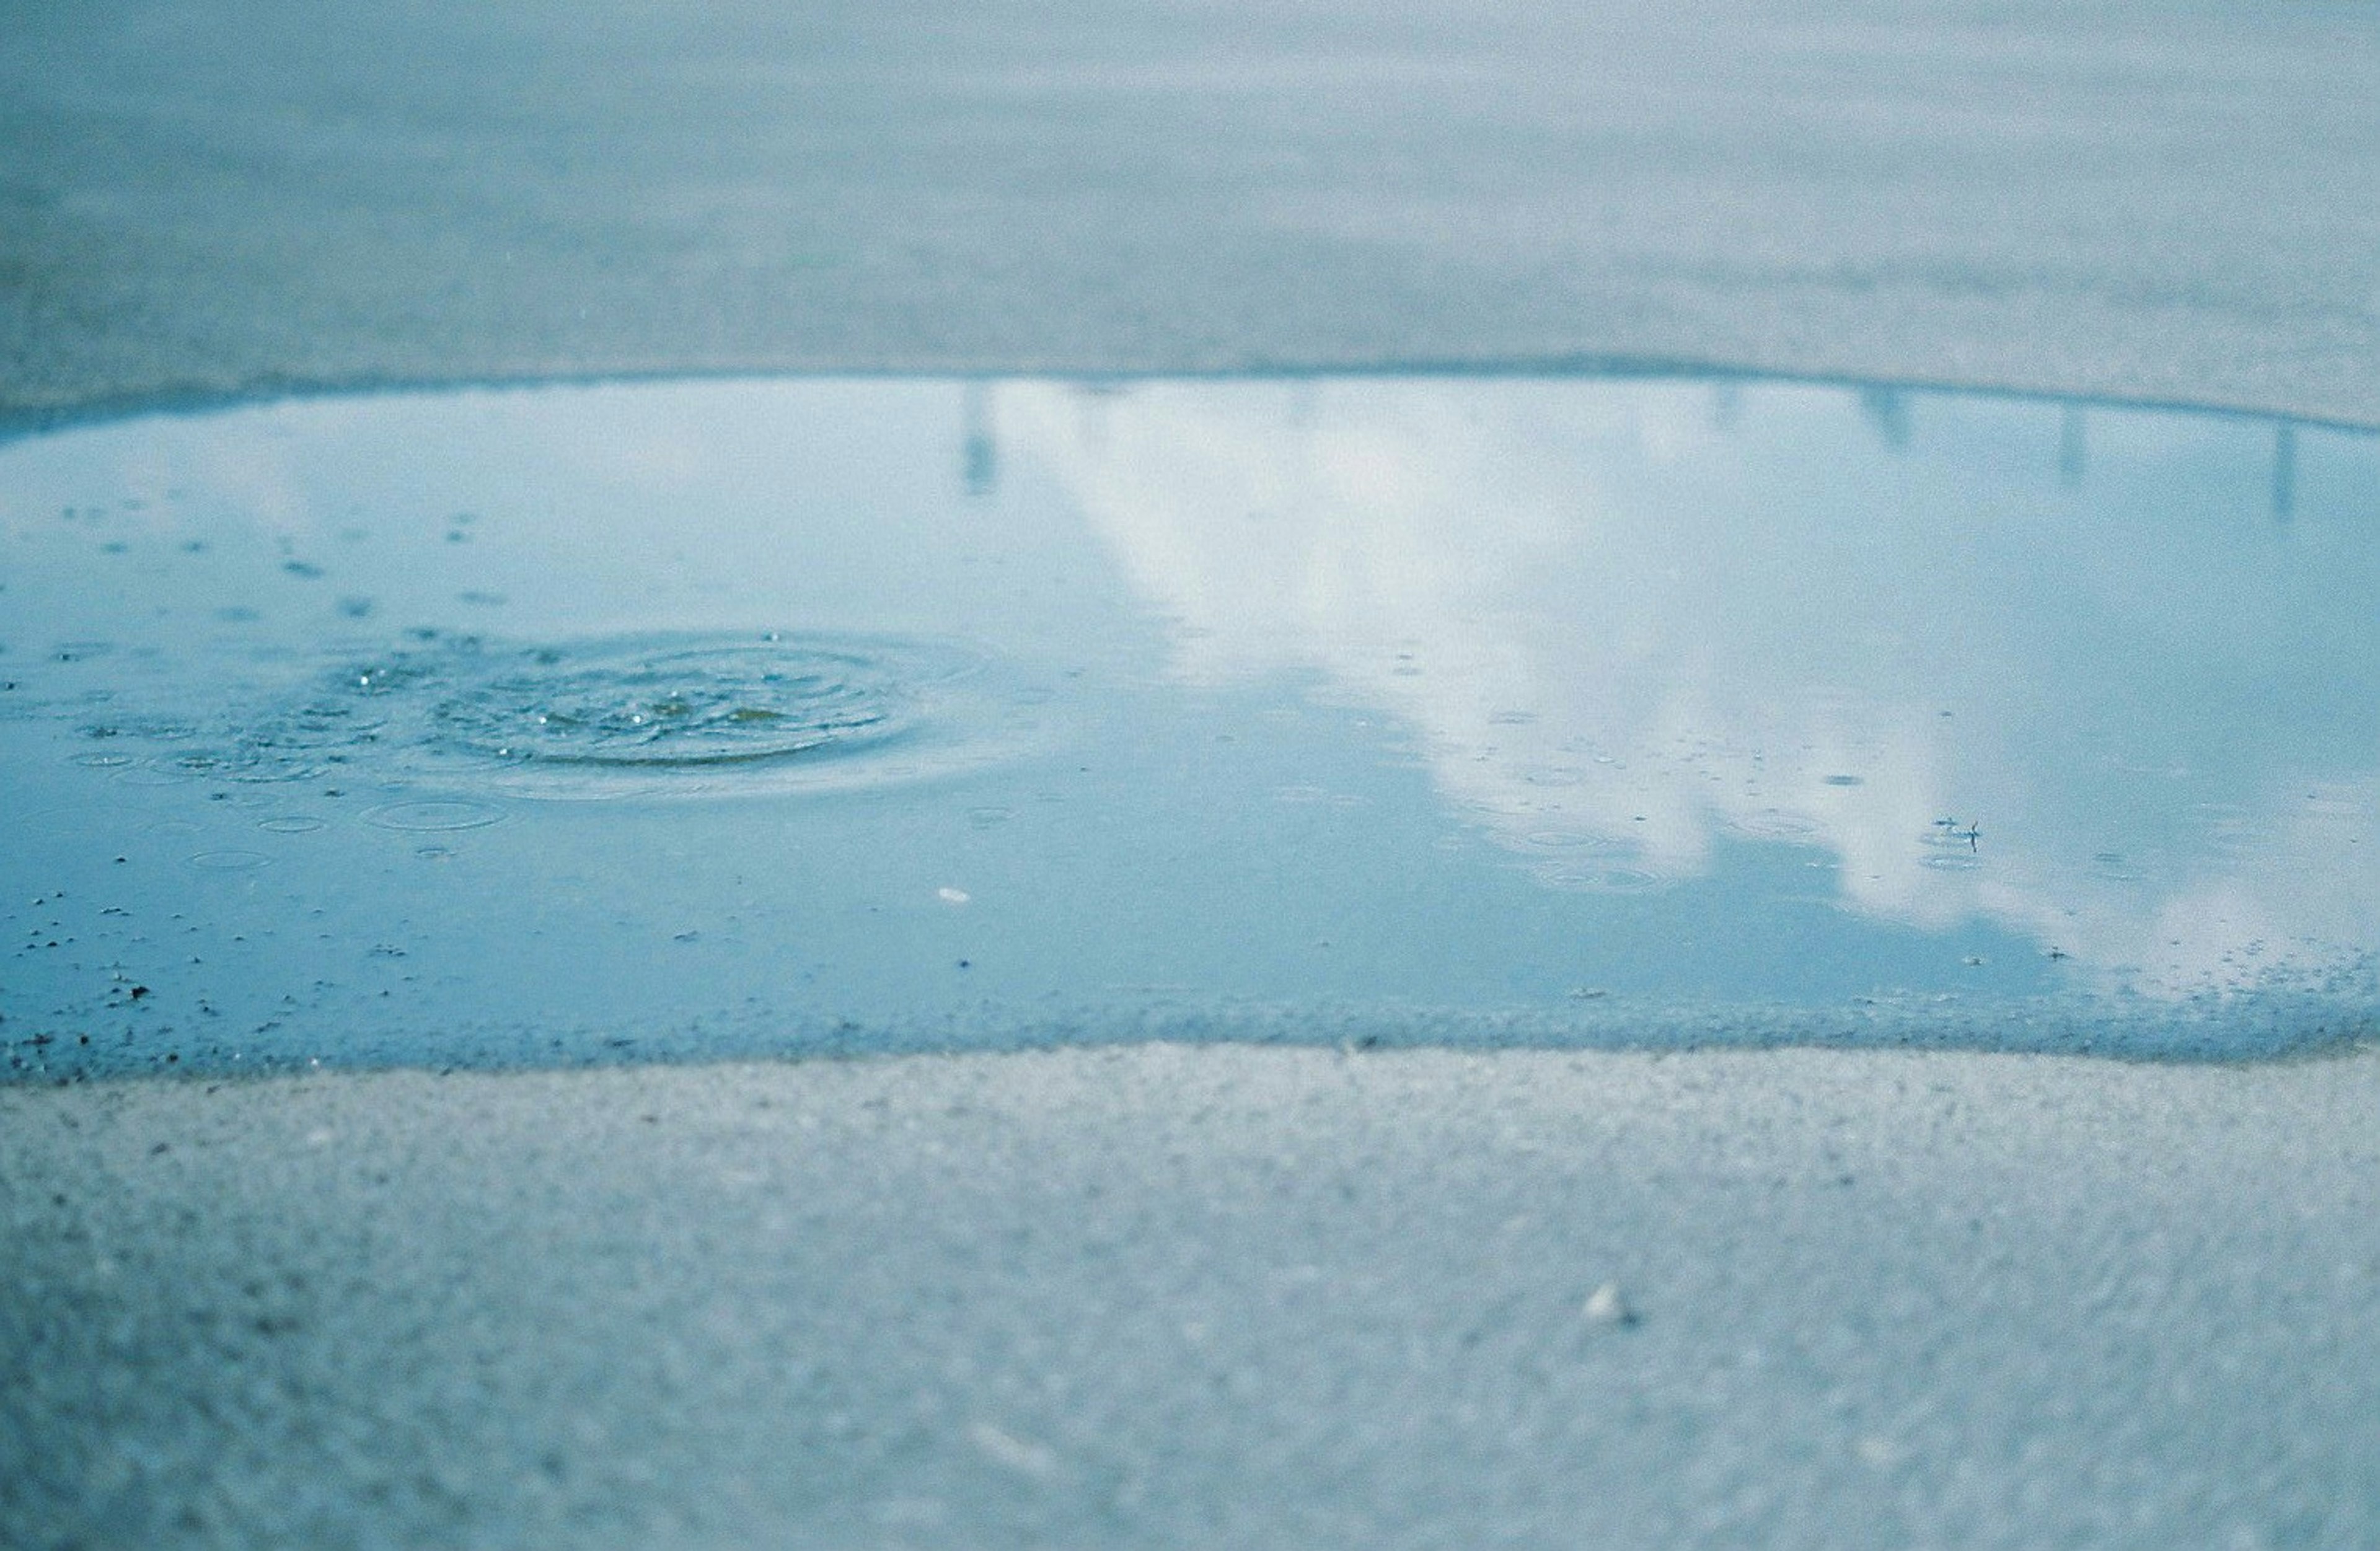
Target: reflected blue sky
600 722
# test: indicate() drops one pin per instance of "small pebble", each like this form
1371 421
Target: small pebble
1604 1306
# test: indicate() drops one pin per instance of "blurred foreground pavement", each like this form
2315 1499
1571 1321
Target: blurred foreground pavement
1170 1297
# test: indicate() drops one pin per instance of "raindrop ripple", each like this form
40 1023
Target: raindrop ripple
619 716
679 705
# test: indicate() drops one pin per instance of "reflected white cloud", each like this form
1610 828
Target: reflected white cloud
1630 624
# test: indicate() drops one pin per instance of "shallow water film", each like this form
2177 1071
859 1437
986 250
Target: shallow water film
588 723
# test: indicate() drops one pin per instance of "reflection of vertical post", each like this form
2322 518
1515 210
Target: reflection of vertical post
1726 407
2074 452
1888 410
2285 470
1301 406
979 460
1091 413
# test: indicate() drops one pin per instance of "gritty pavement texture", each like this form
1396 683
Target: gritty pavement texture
1164 1296
2162 200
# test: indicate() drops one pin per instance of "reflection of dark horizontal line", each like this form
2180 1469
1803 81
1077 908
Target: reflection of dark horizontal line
196 401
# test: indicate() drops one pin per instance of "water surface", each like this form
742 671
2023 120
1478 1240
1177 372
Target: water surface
672 720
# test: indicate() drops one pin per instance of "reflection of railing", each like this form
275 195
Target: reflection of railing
1888 409
2074 459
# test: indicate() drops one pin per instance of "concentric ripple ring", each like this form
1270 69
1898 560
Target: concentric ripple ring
679 704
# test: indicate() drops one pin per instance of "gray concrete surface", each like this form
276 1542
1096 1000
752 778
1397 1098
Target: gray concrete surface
2166 200
1161 1296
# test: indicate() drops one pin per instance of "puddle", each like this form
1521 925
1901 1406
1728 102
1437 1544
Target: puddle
665 721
